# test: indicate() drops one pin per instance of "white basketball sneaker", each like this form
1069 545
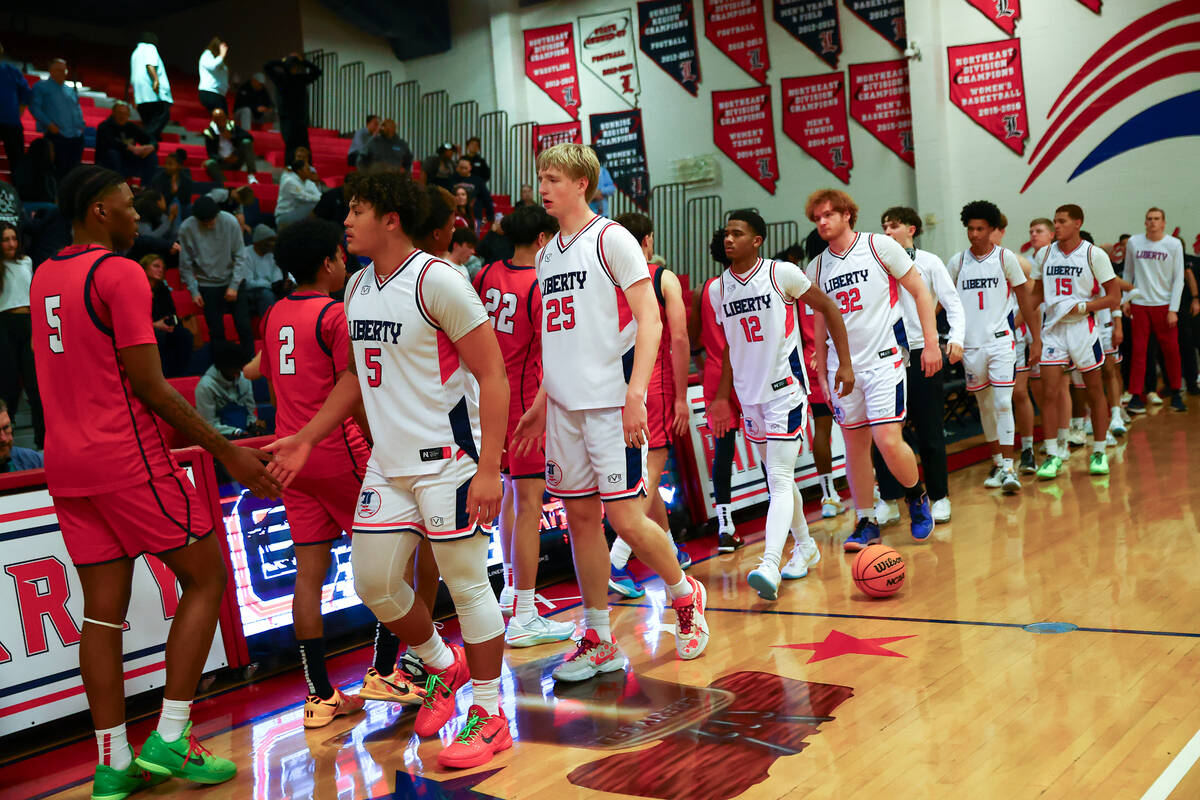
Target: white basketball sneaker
805 554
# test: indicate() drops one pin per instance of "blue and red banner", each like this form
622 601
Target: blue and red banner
885 17
545 136
620 141
667 34
815 24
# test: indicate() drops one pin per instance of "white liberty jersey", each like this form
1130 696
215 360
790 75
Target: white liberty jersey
421 402
864 283
588 330
985 289
757 312
1070 278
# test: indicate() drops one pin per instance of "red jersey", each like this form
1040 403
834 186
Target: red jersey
662 379
513 301
88 303
306 345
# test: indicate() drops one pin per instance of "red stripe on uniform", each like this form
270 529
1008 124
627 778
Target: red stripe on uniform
448 361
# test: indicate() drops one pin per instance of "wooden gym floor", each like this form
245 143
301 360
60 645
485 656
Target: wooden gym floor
939 692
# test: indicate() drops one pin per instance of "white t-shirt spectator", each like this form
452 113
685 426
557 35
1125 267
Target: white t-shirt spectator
296 196
146 55
214 73
17 276
1156 271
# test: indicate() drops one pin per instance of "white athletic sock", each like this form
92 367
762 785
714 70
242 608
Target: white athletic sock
1052 447
869 514
1076 423
174 718
827 487
434 653
1098 446
724 518
597 619
619 556
523 610
1026 443
1115 411
487 695
1007 464
508 575
1063 444
113 745
681 589
997 459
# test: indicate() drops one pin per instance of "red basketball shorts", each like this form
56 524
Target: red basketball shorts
530 465
319 509
162 514
660 414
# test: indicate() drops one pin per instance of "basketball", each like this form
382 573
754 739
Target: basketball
878 571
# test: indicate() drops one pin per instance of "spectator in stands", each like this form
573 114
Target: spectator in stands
461 255
229 147
362 136
387 148
242 203
464 207
494 245
439 169
434 234
55 106
291 77
332 206
124 147
252 103
14 97
211 267
605 188
225 398
484 209
10 204
174 340
479 167
298 194
526 198
174 180
263 275
13 458
16 331
158 224
151 89
214 76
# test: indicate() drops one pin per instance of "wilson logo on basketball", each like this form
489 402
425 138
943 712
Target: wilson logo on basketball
884 566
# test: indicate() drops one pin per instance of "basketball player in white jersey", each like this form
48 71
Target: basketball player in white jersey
986 277
600 335
1068 273
864 274
1023 412
764 361
427 368
926 394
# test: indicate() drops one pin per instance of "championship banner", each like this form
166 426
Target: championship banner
1004 13
987 85
667 35
550 63
737 29
880 102
748 486
549 135
620 141
814 117
743 129
608 52
815 24
886 17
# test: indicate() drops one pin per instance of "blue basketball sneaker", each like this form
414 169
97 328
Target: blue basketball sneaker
866 532
920 517
685 560
621 581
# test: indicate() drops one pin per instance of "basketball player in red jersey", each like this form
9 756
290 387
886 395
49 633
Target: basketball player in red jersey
708 341
666 408
509 290
117 491
305 347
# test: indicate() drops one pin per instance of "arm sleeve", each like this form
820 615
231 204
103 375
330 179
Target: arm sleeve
186 262
23 93
1102 267
1012 268
621 256
35 105
129 301
1176 276
947 295
450 301
890 254
791 280
241 266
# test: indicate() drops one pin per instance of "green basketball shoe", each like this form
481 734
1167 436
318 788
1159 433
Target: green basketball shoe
117 784
184 758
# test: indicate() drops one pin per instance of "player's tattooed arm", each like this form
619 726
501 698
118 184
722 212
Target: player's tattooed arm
245 464
831 320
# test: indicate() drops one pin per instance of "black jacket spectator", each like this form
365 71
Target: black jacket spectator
113 138
253 97
479 167
291 77
175 181
212 139
382 150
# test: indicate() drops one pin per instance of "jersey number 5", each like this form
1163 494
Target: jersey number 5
287 344
52 304
849 301
501 307
752 327
374 367
560 307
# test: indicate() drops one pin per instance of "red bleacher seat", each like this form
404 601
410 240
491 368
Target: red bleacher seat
267 194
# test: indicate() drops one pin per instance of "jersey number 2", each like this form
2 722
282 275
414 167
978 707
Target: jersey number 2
752 326
287 344
52 304
560 307
374 367
501 308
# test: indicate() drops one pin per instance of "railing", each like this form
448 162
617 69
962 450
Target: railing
345 95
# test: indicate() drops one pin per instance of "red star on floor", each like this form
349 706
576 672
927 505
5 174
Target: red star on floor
841 644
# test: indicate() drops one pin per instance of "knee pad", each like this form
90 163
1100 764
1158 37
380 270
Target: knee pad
478 611
987 413
1002 401
379 582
